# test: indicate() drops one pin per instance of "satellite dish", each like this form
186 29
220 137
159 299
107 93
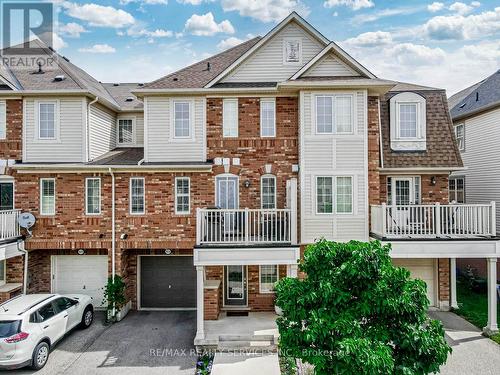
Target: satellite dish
26 220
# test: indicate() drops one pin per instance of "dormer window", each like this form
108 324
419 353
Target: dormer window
292 51
126 131
408 122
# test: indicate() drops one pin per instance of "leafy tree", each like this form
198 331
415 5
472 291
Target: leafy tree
356 313
114 296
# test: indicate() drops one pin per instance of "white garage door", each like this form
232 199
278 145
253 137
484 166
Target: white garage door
422 269
82 274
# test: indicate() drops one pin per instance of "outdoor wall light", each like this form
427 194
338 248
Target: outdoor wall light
124 236
81 252
247 184
433 180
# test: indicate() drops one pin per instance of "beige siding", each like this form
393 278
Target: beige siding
160 145
70 145
102 130
333 155
266 65
330 66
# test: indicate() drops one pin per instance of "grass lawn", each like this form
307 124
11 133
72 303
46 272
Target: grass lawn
473 306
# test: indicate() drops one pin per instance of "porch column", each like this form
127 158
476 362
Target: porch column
453 282
492 327
293 270
200 322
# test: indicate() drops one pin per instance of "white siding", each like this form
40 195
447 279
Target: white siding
160 144
266 64
102 130
330 66
482 159
333 155
69 147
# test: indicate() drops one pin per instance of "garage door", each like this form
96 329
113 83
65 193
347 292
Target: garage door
167 282
422 269
82 274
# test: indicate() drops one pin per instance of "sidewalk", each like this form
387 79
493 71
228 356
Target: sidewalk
245 364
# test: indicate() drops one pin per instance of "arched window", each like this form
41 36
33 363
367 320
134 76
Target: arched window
408 122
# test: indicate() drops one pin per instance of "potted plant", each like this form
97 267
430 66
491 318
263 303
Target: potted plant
114 297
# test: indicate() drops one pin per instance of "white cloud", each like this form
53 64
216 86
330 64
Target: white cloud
353 4
98 48
370 39
435 7
475 4
194 2
418 54
145 2
265 10
461 8
460 27
205 25
58 42
229 43
141 32
72 29
98 15
390 12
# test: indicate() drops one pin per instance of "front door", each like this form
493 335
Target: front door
235 288
402 196
227 199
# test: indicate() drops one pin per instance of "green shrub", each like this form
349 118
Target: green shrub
114 296
356 313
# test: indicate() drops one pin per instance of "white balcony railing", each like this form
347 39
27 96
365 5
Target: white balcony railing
245 226
433 220
9 227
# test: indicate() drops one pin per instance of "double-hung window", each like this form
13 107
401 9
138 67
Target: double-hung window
328 187
182 195
47 128
3 120
343 195
182 119
93 196
47 196
268 278
125 131
6 195
460 136
268 192
407 120
334 114
137 196
230 118
324 195
456 187
268 117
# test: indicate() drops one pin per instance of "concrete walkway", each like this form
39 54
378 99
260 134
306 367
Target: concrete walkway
245 364
473 354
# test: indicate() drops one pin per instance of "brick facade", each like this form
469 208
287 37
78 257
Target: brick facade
11 146
211 303
444 283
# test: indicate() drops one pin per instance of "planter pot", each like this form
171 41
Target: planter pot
278 310
124 311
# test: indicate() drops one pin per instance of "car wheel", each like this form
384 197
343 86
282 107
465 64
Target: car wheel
40 356
87 317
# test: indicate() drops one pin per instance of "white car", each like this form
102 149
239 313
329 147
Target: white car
31 324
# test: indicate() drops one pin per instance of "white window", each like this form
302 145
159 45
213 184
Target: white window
408 122
267 118
93 196
268 278
47 120
2 272
403 190
456 187
292 51
125 131
137 198
343 195
268 192
334 114
47 196
3 120
182 195
182 119
460 136
230 118
324 195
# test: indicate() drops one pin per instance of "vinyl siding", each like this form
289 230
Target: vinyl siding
330 66
70 145
266 65
139 127
482 159
102 130
333 155
161 146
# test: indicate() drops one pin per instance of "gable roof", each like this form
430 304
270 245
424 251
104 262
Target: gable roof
198 74
476 98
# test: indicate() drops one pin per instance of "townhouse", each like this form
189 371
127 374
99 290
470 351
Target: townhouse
203 188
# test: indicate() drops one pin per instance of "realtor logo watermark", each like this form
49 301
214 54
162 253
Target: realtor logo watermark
27 29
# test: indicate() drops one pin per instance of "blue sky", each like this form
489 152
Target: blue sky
444 43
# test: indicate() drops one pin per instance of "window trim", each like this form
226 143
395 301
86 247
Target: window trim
3 120
190 137
335 187
176 195
455 127
413 191
333 97
316 195
87 196
398 143
42 180
56 137
455 190
273 177
134 128
143 212
264 291
226 176
12 181
224 127
418 129
287 40
273 101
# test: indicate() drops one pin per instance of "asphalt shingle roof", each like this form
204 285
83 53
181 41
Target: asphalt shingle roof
122 91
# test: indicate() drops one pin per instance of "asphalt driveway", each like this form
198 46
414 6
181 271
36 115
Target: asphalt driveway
158 342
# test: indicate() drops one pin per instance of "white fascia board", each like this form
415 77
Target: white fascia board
423 170
219 256
78 168
406 249
203 91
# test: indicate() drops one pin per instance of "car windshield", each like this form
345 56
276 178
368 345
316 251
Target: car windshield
9 327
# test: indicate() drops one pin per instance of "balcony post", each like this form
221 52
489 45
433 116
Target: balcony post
293 211
198 226
247 227
384 219
200 295
438 219
493 219
453 282
492 325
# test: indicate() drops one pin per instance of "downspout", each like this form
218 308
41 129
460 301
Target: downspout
141 162
381 145
87 151
25 273
113 234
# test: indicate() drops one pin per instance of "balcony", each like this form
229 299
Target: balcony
433 221
9 228
246 226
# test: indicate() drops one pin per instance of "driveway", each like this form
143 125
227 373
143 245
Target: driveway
158 342
473 354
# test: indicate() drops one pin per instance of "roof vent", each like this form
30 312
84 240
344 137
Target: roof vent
175 79
40 70
140 84
462 105
477 96
116 84
59 78
129 99
65 58
208 66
